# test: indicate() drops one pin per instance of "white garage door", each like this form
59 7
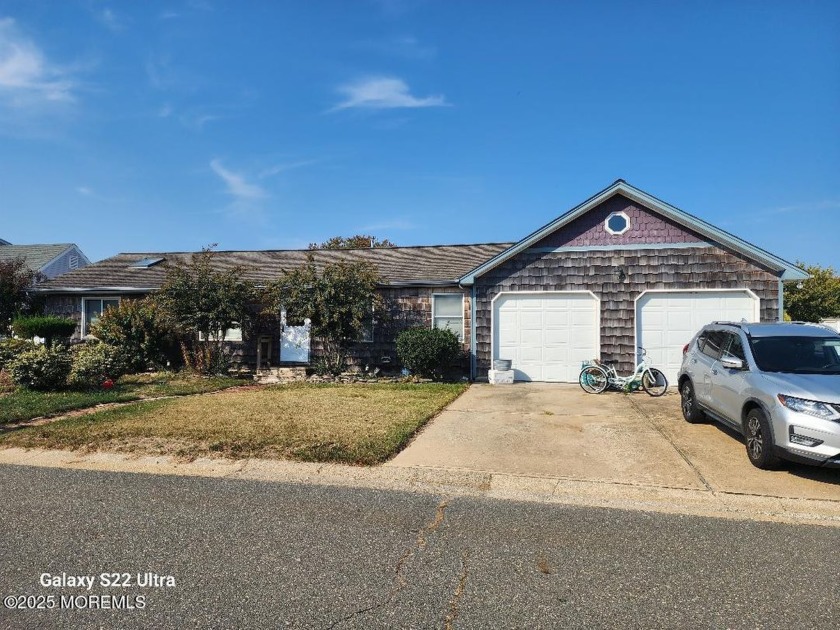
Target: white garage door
546 335
665 322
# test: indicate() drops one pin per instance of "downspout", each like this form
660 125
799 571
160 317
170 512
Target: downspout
472 331
781 300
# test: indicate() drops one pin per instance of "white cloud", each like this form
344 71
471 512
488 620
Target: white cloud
396 224
25 74
84 190
384 93
236 184
406 46
165 111
281 168
109 19
811 206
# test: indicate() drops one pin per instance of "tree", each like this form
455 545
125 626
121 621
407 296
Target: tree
814 299
359 241
201 303
16 280
339 299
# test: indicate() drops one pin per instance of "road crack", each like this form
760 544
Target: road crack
459 591
399 582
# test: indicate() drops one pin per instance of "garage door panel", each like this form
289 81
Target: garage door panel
556 319
544 335
665 321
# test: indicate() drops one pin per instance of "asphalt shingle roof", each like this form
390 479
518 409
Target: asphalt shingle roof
36 256
396 265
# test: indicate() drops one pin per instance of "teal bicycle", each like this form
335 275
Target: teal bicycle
596 376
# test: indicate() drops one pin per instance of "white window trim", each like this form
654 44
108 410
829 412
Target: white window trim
85 299
622 214
373 323
227 338
463 319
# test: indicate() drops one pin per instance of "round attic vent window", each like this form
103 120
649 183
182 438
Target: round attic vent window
617 223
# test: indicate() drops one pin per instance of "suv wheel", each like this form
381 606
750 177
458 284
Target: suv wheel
691 412
760 441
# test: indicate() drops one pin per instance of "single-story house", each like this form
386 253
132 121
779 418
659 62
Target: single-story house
623 269
50 260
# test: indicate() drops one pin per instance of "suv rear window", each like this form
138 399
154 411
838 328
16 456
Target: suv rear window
797 355
711 343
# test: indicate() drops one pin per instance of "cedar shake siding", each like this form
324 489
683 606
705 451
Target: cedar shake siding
598 271
405 307
68 306
646 227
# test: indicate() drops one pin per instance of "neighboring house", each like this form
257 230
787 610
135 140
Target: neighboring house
623 269
50 260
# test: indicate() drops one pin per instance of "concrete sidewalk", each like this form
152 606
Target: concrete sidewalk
458 482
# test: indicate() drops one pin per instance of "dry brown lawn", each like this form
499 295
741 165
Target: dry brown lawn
359 423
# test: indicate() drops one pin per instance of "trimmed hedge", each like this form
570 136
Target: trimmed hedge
49 327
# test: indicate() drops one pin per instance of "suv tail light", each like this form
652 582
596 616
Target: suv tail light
685 348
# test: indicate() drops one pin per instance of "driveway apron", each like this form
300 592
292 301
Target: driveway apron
552 430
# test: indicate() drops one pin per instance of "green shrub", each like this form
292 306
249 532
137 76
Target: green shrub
50 327
428 352
139 329
10 348
44 368
95 362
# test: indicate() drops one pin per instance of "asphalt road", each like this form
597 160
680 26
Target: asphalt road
251 554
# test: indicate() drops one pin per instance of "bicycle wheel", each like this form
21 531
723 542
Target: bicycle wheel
593 379
654 382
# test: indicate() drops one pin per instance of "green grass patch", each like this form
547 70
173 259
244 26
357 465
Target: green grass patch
23 404
358 423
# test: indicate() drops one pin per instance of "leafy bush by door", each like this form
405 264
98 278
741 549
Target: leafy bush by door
428 352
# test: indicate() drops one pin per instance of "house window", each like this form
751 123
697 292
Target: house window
231 334
368 324
92 309
617 223
74 261
448 312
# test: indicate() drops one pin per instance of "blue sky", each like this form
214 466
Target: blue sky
129 126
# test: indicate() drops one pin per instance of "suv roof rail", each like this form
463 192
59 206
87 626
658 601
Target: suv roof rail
728 323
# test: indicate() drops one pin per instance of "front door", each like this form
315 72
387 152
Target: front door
294 342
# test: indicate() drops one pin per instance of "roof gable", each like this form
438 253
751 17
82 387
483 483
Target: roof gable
36 256
688 227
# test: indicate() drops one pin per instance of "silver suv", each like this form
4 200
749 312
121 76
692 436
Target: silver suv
776 384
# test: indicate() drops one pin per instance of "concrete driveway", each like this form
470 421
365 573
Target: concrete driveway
559 431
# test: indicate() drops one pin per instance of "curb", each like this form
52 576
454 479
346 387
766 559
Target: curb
454 482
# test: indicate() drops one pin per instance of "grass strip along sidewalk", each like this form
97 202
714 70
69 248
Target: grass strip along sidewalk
358 423
24 404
